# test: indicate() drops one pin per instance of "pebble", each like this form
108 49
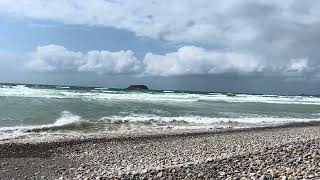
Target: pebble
291 161
264 154
200 175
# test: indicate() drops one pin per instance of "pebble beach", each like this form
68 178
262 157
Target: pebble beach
282 152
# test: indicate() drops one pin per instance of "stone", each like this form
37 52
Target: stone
144 171
209 160
200 175
263 177
160 174
310 176
291 161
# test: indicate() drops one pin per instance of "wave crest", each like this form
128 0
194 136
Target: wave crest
67 117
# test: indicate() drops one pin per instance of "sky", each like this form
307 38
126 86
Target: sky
254 46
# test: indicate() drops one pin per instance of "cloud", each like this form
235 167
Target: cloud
186 61
197 21
298 66
106 62
190 60
275 30
55 58
257 38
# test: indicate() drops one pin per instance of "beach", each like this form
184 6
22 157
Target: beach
281 152
160 89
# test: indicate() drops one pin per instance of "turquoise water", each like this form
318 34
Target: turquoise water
56 108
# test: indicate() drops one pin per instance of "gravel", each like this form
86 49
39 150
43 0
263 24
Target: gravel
259 153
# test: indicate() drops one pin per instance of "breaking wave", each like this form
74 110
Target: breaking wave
69 123
66 120
167 96
104 110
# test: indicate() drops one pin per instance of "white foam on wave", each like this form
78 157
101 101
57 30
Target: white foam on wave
101 88
135 120
65 118
104 95
63 87
263 99
168 91
205 120
23 91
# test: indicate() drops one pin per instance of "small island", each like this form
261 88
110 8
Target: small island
137 87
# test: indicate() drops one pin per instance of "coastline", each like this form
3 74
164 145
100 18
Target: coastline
202 154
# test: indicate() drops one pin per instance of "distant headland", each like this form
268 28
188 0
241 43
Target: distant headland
137 87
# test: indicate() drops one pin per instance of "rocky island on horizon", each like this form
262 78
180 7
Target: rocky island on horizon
137 87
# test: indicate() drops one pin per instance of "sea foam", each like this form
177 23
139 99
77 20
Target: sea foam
165 96
66 118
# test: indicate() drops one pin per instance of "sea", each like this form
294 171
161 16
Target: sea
29 110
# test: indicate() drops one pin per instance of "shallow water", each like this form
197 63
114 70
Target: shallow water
46 109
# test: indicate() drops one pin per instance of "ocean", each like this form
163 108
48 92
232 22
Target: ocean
27 111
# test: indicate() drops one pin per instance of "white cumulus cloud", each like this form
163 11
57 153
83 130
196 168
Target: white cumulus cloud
187 60
191 60
106 62
55 58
